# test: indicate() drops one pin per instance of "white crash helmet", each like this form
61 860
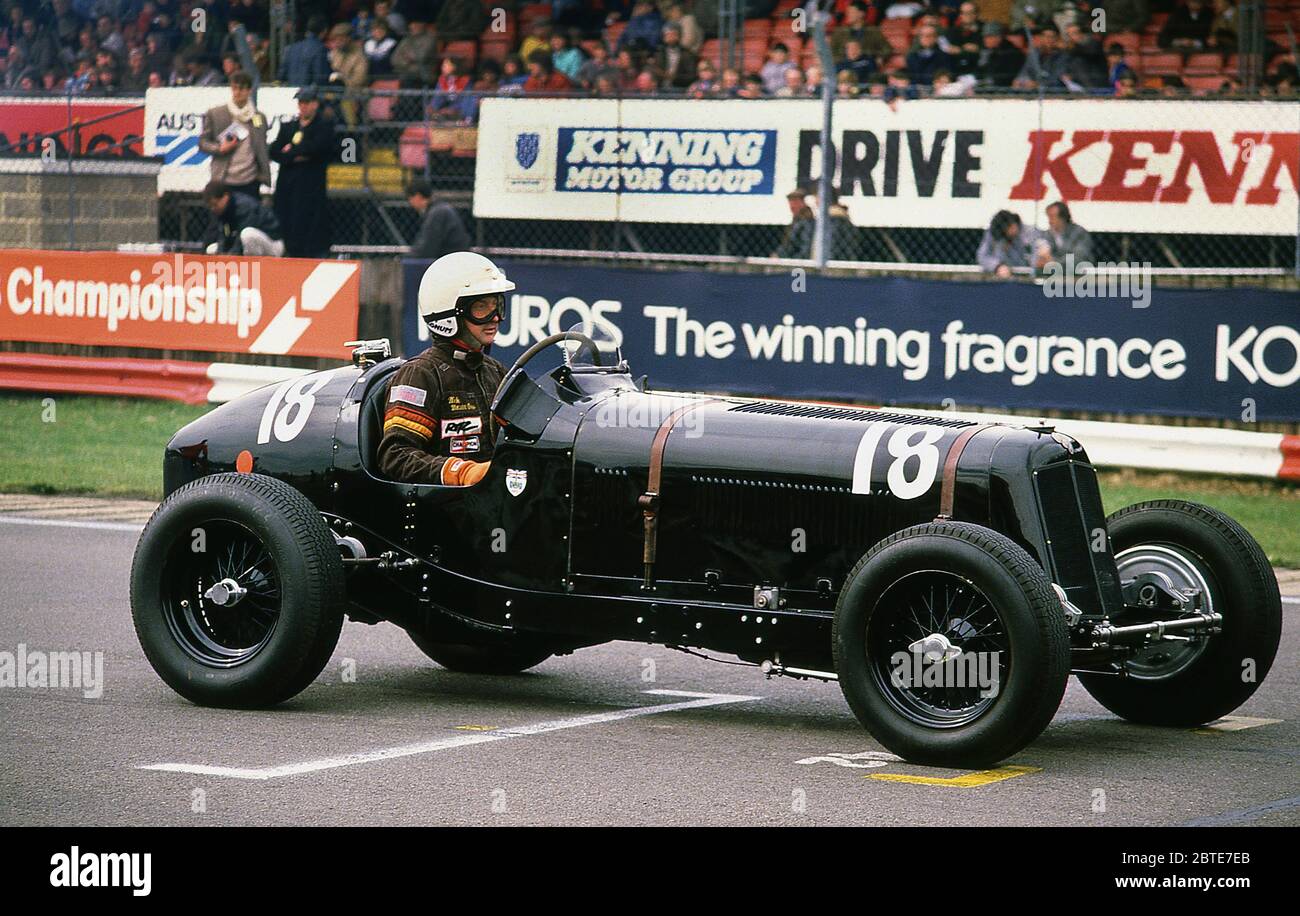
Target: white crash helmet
451 278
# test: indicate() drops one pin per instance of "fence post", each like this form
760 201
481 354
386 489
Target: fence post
819 19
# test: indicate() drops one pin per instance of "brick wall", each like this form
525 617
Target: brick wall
110 204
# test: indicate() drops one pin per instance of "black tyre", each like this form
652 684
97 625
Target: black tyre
237 590
1190 683
946 586
507 658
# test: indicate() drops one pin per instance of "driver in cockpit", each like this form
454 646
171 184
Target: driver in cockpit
437 425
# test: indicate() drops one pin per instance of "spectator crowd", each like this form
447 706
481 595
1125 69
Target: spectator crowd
463 49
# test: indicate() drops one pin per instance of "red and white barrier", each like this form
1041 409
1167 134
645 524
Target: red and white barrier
1198 449
173 380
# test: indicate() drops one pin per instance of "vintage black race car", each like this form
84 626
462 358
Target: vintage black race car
949 575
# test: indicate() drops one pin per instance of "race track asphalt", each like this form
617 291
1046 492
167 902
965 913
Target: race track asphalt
575 755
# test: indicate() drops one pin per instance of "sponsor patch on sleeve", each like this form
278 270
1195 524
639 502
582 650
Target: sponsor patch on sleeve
464 445
461 426
406 394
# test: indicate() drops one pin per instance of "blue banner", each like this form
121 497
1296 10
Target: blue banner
1227 353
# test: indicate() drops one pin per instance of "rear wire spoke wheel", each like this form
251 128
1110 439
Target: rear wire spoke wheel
237 591
948 590
1186 683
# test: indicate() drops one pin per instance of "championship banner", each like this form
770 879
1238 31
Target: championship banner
1123 166
26 119
173 120
1224 353
286 306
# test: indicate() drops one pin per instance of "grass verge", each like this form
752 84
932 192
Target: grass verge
113 447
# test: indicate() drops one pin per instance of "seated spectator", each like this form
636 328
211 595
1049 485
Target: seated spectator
361 22
452 81
691 33
488 83
898 87
999 60
230 65
729 88
164 26
1007 245
461 20
240 225
566 55
306 61
814 81
414 55
773 71
379 48
644 29
106 81
157 56
441 229
751 87
1044 68
1085 64
539 39
965 29
1065 237
109 36
628 67
51 81
136 78
513 75
199 71
63 23
645 82
596 64
856 63
396 21
39 50
82 78
104 60
1171 85
1187 28
706 81
946 86
793 86
846 86
1115 64
1223 31
870 39
606 85
349 69
1127 15
1126 86
927 58
674 63
1035 14
542 76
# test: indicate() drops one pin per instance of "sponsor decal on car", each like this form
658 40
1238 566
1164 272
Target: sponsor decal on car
516 480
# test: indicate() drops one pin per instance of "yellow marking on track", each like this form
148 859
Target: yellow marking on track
1234 724
476 728
969 781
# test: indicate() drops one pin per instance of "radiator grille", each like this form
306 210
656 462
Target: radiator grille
828 412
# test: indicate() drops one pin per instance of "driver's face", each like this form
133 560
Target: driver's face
483 334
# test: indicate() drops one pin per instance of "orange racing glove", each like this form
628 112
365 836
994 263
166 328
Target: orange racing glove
460 472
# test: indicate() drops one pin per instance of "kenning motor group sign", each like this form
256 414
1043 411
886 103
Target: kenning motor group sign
181 302
1140 166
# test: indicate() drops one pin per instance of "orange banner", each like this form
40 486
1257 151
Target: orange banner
180 302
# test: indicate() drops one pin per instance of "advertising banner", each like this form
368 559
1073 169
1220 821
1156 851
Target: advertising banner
1230 353
173 119
26 119
1122 166
180 302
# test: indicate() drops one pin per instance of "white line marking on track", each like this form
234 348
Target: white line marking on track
67 523
1291 599
697 701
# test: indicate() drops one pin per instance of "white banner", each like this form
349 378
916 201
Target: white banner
173 121
1212 167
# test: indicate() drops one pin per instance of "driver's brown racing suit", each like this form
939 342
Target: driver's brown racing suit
437 425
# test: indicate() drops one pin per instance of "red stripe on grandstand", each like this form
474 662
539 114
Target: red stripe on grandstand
172 380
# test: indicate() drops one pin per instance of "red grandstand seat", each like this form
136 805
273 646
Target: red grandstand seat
1157 21
1161 64
897 62
1203 84
898 32
783 8
1276 19
1233 64
413 147
1148 43
380 106
1203 65
710 50
531 12
494 48
757 29
755 52
464 51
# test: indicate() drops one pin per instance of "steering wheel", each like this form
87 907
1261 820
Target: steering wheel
554 339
